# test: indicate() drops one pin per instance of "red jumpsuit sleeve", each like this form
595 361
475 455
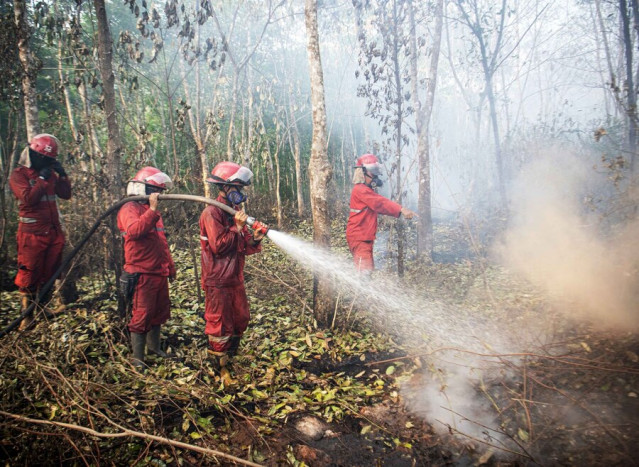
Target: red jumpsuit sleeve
380 204
22 189
221 239
137 226
63 188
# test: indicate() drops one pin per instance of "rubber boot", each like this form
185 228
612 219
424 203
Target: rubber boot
234 345
220 361
138 342
153 342
28 321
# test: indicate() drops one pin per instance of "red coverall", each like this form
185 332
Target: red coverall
362 223
40 237
223 253
146 251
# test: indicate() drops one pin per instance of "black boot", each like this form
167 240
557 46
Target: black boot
153 341
138 342
234 345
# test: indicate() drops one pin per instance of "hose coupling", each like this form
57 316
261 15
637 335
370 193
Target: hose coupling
257 225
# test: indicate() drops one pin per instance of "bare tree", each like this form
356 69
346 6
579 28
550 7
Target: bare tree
631 96
29 68
423 112
319 169
114 142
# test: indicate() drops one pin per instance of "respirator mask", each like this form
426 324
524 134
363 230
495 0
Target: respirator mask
236 197
376 182
38 161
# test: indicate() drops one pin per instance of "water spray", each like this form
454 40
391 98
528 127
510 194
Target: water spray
251 221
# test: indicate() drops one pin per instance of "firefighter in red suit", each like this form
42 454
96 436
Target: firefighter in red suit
365 205
37 183
225 242
148 259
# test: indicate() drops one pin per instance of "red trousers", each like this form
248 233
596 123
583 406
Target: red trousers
151 305
38 258
226 314
362 255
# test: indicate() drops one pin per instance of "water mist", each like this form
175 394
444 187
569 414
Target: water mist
458 341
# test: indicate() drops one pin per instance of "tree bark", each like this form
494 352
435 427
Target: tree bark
29 69
114 142
423 115
320 171
631 97
399 112
114 189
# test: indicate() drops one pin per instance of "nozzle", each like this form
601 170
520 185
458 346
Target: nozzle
257 225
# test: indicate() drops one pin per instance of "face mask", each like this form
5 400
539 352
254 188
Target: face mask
148 189
39 161
376 182
236 197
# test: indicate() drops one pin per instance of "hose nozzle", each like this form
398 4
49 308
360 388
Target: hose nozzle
257 225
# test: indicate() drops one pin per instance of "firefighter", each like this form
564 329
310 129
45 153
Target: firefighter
37 182
225 242
365 205
148 265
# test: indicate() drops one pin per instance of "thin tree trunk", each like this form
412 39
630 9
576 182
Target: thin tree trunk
114 143
194 123
297 156
231 132
399 110
320 171
631 98
114 189
67 97
278 179
28 68
422 120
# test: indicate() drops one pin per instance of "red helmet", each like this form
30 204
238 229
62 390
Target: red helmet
230 173
148 176
46 145
370 163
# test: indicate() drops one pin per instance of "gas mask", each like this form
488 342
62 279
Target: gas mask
38 161
376 182
236 197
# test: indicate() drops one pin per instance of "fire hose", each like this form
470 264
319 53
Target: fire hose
254 223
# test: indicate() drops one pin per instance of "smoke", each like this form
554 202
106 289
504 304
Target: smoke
556 244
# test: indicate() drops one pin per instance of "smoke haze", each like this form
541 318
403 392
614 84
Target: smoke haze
555 244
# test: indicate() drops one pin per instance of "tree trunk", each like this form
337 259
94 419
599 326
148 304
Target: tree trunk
65 92
631 97
194 123
29 69
320 171
399 111
114 143
422 120
114 189
294 142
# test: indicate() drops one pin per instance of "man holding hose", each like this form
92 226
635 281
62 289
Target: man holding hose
225 242
148 264
365 206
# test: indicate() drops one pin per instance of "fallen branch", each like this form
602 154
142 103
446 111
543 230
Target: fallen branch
137 434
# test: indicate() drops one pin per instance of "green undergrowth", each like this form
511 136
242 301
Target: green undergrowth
75 369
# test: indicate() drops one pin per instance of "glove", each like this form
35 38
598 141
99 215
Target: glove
58 168
45 173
